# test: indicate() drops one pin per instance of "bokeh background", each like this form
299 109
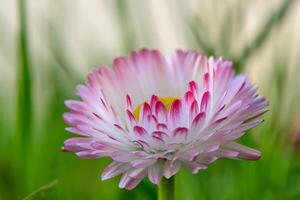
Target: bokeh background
48 46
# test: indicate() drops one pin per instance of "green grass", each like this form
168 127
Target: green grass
32 128
24 100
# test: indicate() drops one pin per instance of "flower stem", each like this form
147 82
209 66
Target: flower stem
166 189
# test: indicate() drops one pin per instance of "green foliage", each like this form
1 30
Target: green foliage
30 153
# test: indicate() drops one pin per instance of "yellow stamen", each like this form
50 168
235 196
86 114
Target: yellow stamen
167 101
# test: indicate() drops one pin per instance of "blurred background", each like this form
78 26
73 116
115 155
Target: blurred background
47 47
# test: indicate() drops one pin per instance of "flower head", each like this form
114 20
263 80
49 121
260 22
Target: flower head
153 114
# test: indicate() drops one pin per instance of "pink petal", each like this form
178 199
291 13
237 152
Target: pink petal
194 167
88 154
175 111
235 86
159 135
204 101
171 168
145 112
77 144
245 153
114 169
162 127
77 106
194 110
128 182
130 119
160 112
179 135
198 121
206 80
142 163
140 131
128 103
193 87
189 98
153 102
155 172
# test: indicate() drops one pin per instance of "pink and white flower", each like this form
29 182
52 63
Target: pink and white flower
153 114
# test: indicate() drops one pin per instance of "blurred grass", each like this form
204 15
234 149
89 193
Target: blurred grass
39 130
274 19
24 104
200 34
127 31
42 191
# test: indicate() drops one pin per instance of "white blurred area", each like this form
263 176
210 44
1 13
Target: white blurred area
92 32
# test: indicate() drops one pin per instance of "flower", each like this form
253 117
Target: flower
153 114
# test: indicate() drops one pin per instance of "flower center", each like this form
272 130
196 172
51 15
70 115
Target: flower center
167 101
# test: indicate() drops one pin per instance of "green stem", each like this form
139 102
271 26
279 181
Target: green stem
24 97
42 191
166 189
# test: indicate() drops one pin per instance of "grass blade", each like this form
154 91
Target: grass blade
40 192
23 114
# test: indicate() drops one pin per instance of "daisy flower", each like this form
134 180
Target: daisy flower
153 114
